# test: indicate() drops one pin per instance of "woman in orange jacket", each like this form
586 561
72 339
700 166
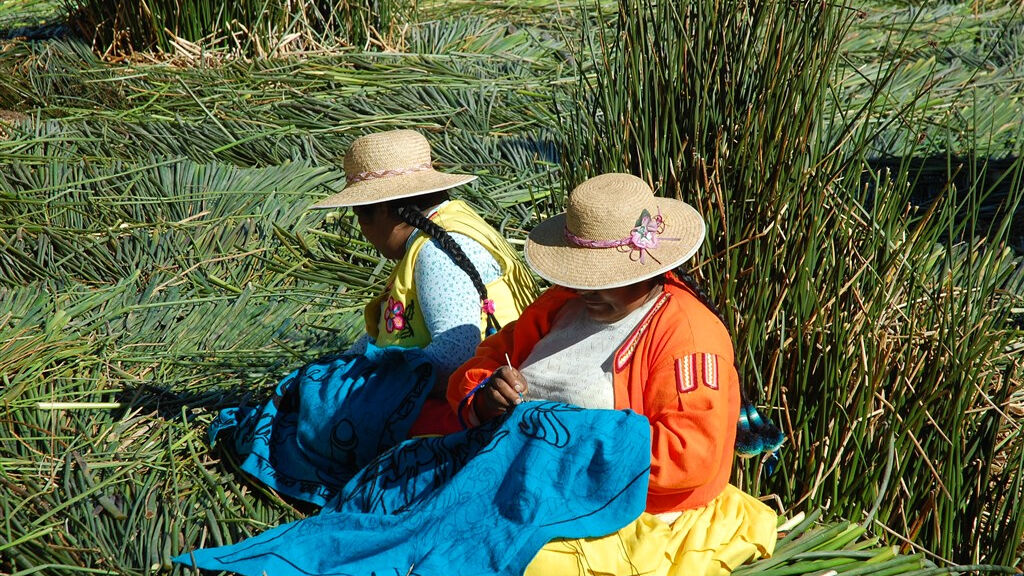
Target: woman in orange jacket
620 330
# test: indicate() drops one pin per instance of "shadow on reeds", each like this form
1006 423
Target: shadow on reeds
45 31
955 177
168 403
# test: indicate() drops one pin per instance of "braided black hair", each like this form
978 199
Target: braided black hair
754 433
698 290
411 213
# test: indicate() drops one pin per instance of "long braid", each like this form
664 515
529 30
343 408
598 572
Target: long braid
754 434
698 290
411 215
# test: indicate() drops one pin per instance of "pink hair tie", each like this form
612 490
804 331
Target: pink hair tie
643 238
488 306
373 175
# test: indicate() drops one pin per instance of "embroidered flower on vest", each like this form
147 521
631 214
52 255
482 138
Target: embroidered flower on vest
394 315
397 317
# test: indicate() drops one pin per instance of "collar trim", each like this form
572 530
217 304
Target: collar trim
625 352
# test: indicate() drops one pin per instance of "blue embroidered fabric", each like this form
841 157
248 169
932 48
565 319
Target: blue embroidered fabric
481 501
328 419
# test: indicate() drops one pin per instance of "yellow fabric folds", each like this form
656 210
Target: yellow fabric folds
713 540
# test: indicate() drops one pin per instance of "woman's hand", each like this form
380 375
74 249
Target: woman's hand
502 393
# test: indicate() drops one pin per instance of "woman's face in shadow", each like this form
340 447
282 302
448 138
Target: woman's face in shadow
613 304
384 229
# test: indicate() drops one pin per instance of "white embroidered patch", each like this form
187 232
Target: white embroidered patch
685 377
694 369
711 371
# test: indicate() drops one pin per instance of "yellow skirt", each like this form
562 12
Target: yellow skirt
712 540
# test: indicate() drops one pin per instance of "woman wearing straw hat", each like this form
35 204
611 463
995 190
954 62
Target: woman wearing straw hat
620 329
456 279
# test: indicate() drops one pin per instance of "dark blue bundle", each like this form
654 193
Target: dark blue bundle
328 419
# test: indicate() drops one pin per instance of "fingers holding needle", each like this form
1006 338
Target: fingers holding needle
509 362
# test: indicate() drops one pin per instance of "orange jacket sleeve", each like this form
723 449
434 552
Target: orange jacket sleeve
691 421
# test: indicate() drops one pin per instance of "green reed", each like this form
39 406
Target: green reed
874 326
252 27
157 263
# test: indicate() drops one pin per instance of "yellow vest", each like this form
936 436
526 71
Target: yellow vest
393 318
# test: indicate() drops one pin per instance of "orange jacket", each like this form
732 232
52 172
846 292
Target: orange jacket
676 368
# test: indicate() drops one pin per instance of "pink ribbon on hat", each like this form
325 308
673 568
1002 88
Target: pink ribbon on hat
643 238
373 175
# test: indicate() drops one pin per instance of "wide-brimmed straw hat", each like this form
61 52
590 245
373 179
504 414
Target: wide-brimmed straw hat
388 166
614 232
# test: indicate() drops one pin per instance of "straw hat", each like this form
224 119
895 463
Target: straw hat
614 232
388 166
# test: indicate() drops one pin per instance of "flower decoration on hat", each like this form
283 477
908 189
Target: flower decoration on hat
646 235
643 238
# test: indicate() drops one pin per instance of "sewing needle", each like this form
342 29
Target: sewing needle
509 362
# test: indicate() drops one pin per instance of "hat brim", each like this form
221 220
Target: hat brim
393 188
553 258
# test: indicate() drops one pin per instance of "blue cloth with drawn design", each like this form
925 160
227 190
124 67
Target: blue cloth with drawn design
481 501
328 419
